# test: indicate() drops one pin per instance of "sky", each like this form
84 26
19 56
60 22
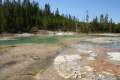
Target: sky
78 8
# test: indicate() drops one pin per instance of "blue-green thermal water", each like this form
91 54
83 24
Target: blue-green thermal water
35 39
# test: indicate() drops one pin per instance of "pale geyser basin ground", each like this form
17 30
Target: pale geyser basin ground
75 57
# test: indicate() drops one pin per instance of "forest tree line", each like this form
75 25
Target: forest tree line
18 16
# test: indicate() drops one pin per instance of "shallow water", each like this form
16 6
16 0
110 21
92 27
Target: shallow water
105 42
25 40
94 48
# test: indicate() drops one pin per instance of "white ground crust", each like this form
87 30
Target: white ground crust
24 35
6 38
63 58
69 66
114 55
102 40
88 50
64 33
66 64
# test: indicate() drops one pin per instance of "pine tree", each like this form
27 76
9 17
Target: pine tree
57 13
47 10
2 20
